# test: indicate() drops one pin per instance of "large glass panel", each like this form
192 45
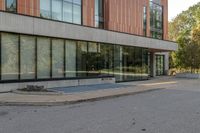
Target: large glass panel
43 58
145 64
70 58
9 56
78 2
57 9
27 57
45 8
128 63
57 58
156 20
11 5
145 21
118 68
99 13
82 59
67 11
76 14
159 65
106 59
93 59
138 63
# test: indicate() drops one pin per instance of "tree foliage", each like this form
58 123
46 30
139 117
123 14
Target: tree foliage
185 29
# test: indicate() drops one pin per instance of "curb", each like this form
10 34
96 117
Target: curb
61 103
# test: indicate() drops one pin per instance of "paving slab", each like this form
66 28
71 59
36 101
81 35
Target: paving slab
84 93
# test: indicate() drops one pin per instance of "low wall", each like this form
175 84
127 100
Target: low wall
58 83
188 75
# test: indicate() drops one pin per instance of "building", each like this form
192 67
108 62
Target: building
59 43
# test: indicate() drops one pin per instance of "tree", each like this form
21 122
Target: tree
185 29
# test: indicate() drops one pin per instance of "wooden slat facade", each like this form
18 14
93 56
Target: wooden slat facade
2 4
165 19
125 16
28 7
88 13
119 15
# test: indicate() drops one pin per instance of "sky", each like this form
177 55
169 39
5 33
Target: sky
177 6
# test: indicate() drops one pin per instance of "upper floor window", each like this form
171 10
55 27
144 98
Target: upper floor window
156 20
99 13
45 8
11 5
145 21
156 1
63 10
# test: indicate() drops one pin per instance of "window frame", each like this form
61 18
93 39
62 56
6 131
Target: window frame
16 11
72 3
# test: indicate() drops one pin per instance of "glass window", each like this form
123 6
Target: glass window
99 13
156 22
77 2
70 60
27 57
57 9
9 56
57 58
118 68
76 14
63 10
45 8
82 59
43 58
145 21
11 5
145 64
67 11
106 59
160 65
93 59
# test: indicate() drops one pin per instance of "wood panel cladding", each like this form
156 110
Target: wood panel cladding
165 19
88 13
2 4
125 15
28 7
119 15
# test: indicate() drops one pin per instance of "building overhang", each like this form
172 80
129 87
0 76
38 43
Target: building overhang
10 22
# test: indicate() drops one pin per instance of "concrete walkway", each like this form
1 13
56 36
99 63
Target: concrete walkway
70 97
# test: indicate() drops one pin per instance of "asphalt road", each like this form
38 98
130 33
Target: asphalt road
161 111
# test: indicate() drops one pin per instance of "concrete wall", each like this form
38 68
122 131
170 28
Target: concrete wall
52 84
36 26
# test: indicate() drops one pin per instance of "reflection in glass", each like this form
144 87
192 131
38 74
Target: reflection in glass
156 20
9 56
160 65
93 59
67 11
76 14
57 58
45 8
11 5
82 59
27 57
99 13
57 9
106 59
70 60
43 58
118 68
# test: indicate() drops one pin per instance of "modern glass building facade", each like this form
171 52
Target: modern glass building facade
25 57
73 42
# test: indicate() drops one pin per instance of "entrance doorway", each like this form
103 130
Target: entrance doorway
160 65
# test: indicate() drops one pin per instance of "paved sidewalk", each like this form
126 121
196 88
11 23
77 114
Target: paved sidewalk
128 88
